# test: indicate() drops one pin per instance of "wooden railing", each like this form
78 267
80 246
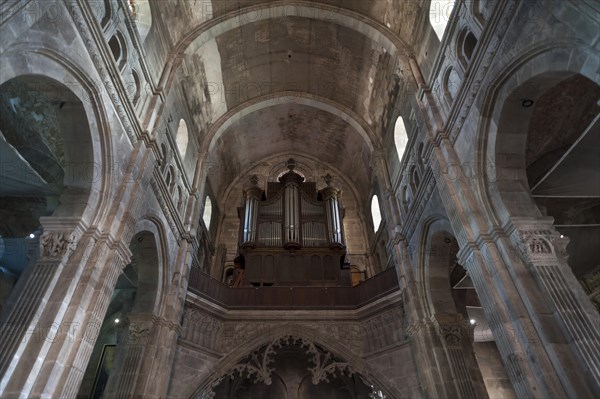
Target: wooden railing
293 297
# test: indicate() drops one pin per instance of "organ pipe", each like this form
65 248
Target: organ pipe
252 197
332 209
291 194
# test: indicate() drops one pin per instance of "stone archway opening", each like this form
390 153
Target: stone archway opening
134 294
47 169
461 321
291 367
547 160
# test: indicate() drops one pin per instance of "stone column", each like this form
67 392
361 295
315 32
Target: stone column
20 319
124 375
457 338
543 250
419 329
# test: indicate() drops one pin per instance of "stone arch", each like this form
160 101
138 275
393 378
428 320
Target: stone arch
500 168
451 84
466 43
377 32
118 49
54 142
236 114
334 346
137 295
48 64
438 245
451 302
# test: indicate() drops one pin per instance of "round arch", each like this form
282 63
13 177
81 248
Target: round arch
542 67
291 97
374 30
159 278
437 240
58 67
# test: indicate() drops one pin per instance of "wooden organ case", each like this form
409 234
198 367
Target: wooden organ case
292 235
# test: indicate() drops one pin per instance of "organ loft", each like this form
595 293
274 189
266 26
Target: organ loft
299 199
292 234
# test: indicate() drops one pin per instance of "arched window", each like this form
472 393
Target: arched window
439 15
206 216
406 198
182 138
142 15
136 89
375 212
118 48
400 137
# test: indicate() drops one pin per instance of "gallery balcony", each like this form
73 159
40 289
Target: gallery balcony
296 298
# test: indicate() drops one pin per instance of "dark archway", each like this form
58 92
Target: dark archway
47 168
134 293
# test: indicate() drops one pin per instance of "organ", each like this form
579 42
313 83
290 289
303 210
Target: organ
292 234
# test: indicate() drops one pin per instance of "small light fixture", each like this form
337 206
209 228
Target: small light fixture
562 236
117 321
31 235
472 321
526 103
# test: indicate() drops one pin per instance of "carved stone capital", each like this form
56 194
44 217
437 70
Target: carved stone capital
140 326
56 244
452 328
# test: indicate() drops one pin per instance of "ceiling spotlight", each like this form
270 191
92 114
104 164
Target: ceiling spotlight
117 321
472 321
31 235
562 236
527 103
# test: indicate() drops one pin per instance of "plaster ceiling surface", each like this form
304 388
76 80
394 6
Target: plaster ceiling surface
289 128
